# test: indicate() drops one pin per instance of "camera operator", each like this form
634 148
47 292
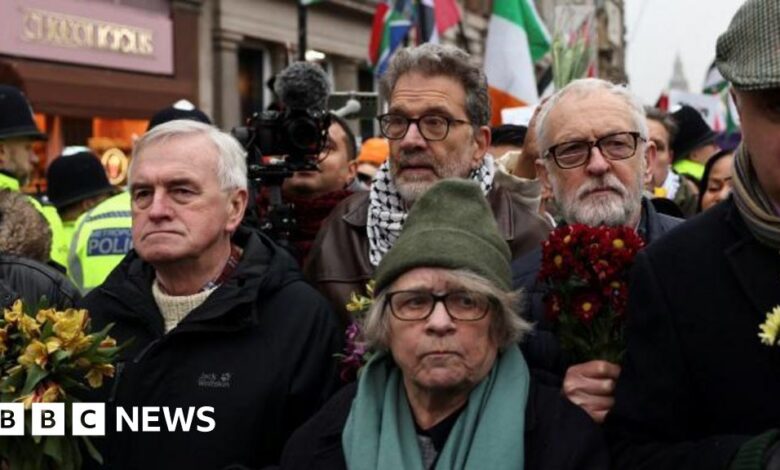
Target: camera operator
315 193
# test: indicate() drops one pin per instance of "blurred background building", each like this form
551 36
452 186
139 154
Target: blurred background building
96 70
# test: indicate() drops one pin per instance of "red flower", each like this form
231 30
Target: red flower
552 306
586 306
586 270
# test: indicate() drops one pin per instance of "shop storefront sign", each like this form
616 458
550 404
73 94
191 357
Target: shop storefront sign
87 33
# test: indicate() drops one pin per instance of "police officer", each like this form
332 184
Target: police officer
18 132
75 183
101 239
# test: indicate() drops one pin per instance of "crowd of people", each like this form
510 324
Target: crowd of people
440 222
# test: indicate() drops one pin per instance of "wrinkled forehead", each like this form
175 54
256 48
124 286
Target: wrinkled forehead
427 278
587 116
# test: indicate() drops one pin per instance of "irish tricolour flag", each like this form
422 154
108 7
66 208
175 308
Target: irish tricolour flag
516 39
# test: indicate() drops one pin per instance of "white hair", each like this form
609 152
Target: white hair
587 86
231 161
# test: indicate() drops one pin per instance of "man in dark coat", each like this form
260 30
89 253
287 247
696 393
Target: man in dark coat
594 156
699 385
437 124
220 317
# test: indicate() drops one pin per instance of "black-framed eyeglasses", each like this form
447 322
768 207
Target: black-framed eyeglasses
431 126
413 305
617 146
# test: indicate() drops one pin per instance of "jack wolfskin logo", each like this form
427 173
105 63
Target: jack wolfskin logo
211 380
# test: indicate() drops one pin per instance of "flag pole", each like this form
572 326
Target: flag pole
301 30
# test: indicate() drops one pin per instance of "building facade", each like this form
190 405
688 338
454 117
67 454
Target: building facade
96 70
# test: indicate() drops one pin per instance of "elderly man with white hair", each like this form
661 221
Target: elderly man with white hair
220 316
594 154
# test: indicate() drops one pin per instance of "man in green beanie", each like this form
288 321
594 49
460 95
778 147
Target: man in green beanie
701 375
447 386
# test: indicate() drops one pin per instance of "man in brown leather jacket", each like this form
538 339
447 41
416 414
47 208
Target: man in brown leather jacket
437 124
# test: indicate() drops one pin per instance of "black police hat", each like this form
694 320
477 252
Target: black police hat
76 177
182 109
693 131
16 116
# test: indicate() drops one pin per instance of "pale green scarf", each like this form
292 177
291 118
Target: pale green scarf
489 432
753 204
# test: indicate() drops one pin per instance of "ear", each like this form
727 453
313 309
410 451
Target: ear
481 144
351 171
237 201
541 173
737 103
650 157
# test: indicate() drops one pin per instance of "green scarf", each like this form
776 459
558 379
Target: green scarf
489 432
753 204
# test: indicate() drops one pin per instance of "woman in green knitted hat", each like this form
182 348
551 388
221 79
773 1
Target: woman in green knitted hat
448 387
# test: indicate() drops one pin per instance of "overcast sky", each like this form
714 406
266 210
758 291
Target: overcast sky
656 30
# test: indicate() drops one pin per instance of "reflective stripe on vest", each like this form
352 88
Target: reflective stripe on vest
100 242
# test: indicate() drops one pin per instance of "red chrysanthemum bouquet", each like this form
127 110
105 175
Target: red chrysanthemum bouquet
586 269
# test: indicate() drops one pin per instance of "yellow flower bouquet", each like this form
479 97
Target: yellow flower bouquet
48 356
770 329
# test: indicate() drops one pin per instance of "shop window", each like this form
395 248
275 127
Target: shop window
367 82
251 81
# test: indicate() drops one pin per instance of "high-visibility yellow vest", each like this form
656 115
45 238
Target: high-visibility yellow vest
59 243
101 239
690 168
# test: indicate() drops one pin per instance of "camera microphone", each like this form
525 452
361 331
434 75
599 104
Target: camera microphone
303 85
351 107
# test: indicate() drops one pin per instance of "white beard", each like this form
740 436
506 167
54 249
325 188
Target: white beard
616 207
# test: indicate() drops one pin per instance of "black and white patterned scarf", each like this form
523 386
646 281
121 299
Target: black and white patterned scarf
387 212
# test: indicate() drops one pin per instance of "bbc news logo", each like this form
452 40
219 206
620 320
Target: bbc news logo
89 419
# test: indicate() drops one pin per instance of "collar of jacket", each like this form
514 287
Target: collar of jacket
264 268
8 182
652 224
755 265
498 198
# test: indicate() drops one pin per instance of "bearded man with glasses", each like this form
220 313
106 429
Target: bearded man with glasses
594 156
437 125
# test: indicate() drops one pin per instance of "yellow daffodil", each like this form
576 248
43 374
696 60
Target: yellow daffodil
15 313
52 344
96 374
70 325
34 353
51 393
771 327
3 340
29 327
48 314
108 342
27 400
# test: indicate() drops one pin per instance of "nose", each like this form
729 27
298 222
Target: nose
597 164
160 207
439 323
413 138
723 193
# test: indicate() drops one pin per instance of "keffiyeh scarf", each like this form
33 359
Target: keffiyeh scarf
387 211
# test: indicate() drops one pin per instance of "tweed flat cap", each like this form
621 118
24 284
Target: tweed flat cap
748 53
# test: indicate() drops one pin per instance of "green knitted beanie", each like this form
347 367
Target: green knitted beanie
450 226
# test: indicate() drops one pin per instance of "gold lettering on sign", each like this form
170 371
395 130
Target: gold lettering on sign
59 29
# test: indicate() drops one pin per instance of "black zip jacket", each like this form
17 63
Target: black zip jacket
31 281
260 351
